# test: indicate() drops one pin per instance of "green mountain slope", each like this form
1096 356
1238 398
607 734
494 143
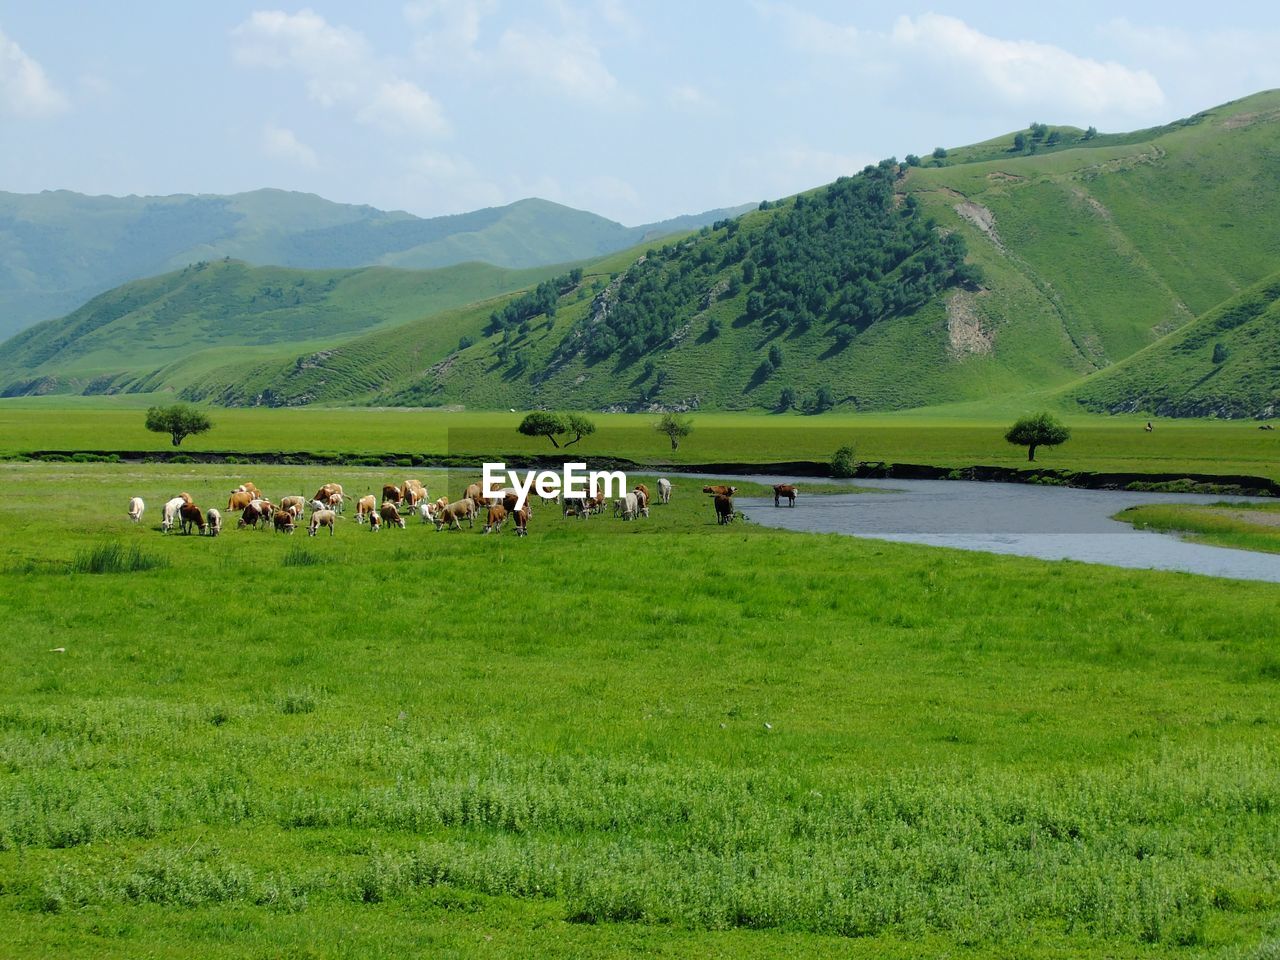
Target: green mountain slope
59 249
1223 364
159 332
1029 262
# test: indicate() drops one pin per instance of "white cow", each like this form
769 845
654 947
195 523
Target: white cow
626 507
214 518
136 506
170 516
664 490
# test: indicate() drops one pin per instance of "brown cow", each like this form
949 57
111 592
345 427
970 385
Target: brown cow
497 517
522 521
455 512
720 490
283 521
248 486
251 517
391 514
322 518
190 514
475 492
724 509
327 491
643 489
785 491
294 505
412 492
390 493
240 499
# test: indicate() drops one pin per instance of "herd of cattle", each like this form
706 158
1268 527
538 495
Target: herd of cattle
330 501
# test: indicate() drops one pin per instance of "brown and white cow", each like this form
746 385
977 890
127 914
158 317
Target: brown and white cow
240 499
189 515
720 490
283 521
366 507
522 521
390 493
390 514
784 491
496 518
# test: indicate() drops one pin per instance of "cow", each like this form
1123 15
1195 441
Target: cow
664 490
642 500
336 501
190 516
248 487
366 507
321 518
724 509
215 521
328 490
412 491
240 499
390 493
784 491
375 522
169 516
522 521
136 506
251 516
294 505
451 515
626 507
391 514
186 498
497 517
474 492
643 489
283 521
720 490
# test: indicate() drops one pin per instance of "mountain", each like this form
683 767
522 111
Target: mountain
1040 260
58 248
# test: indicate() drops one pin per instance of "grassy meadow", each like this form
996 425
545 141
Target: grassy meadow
939 436
662 737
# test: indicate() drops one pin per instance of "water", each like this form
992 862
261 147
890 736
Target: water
1052 523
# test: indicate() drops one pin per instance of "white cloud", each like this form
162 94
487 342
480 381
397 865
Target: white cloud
334 60
400 106
686 96
813 34
340 70
1024 72
25 90
281 143
569 63
451 29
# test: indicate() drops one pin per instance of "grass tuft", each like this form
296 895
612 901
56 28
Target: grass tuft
115 557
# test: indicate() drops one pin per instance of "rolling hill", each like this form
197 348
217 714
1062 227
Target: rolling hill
1056 260
1225 364
159 332
58 248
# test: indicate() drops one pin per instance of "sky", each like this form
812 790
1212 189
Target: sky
638 112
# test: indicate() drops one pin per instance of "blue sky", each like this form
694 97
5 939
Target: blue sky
634 111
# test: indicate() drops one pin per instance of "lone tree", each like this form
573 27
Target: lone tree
1040 430
675 427
540 423
179 421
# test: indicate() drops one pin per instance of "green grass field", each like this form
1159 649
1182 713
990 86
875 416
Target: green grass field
938 437
1244 526
614 738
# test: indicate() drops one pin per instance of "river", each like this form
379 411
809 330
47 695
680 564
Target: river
1051 523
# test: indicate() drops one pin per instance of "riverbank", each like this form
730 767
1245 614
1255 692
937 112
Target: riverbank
1242 526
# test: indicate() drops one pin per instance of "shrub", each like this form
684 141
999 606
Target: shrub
844 463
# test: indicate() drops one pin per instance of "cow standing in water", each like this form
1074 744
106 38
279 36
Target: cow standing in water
784 491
